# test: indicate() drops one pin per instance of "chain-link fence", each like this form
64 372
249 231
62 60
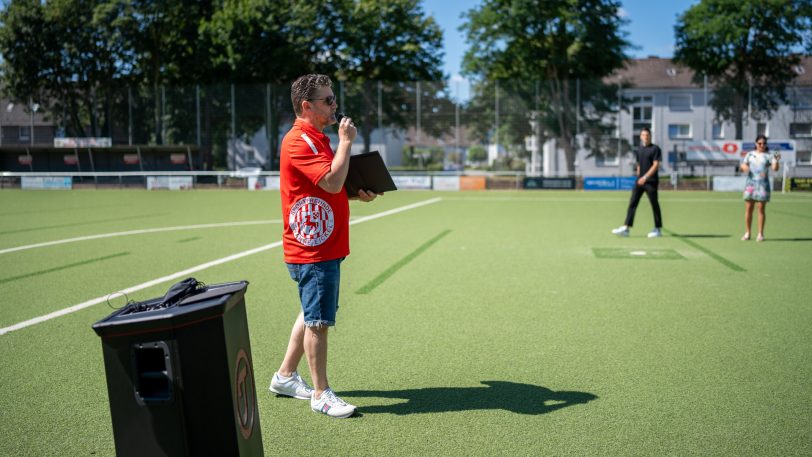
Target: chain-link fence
541 127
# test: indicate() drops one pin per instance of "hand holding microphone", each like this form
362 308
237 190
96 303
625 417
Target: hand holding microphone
346 129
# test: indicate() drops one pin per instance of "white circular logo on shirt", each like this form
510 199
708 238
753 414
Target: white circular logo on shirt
311 220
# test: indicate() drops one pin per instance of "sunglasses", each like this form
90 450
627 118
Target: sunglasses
328 100
761 143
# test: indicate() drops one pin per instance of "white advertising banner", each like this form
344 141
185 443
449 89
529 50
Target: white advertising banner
83 142
47 182
729 183
446 182
707 151
733 183
734 150
263 182
412 182
169 182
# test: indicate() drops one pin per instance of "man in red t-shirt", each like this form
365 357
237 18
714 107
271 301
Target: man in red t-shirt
316 220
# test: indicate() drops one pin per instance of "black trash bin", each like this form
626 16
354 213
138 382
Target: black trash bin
180 378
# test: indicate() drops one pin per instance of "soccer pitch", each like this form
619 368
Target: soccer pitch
470 323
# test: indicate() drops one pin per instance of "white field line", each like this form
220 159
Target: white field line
577 199
135 232
191 270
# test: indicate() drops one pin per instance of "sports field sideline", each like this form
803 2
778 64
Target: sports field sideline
471 323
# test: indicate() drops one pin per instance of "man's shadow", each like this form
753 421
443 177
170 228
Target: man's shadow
510 396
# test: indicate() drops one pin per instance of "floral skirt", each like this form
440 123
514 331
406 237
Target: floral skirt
757 190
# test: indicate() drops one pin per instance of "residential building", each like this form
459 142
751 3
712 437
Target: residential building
663 96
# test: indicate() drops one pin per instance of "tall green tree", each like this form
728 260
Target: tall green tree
391 42
158 43
555 41
270 43
57 57
747 48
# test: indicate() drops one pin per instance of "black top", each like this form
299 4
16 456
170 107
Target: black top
646 155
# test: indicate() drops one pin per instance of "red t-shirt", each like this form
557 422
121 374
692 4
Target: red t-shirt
316 222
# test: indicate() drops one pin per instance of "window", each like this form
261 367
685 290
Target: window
803 157
762 129
802 99
718 131
679 102
800 129
607 160
25 134
642 107
679 131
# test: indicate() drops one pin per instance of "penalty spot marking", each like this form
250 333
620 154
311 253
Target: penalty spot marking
188 271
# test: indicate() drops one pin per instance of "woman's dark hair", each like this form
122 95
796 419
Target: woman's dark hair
762 137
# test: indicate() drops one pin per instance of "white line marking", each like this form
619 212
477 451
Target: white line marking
191 270
136 232
579 199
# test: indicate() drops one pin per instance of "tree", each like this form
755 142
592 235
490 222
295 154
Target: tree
157 43
55 56
388 42
477 153
744 47
556 41
257 41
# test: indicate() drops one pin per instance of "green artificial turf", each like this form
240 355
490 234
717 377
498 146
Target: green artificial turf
488 323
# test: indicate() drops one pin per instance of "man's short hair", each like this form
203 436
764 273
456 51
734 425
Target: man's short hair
305 87
645 129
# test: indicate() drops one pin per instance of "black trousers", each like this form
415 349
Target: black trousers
650 188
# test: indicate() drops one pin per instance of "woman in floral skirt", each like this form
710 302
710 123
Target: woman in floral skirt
757 165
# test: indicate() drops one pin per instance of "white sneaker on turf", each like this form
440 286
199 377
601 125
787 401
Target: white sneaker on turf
293 386
655 233
623 230
331 405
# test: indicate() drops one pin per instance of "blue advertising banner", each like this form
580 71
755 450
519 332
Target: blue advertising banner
609 182
600 183
626 182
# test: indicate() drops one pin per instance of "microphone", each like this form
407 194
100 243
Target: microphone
339 116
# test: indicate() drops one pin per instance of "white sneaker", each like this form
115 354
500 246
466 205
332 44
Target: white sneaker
331 405
293 386
655 233
623 230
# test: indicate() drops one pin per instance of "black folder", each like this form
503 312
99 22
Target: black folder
368 172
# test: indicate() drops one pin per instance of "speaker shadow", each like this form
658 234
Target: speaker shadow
514 397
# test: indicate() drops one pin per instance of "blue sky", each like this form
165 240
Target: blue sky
650 27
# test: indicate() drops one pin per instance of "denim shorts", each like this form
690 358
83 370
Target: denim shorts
318 290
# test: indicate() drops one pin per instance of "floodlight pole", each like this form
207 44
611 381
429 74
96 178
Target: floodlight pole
705 110
619 108
496 120
197 112
417 112
457 126
9 108
130 116
31 107
380 121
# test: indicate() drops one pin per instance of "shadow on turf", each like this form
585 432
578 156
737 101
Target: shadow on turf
514 397
788 239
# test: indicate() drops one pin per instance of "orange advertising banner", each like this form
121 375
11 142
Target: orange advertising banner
472 183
